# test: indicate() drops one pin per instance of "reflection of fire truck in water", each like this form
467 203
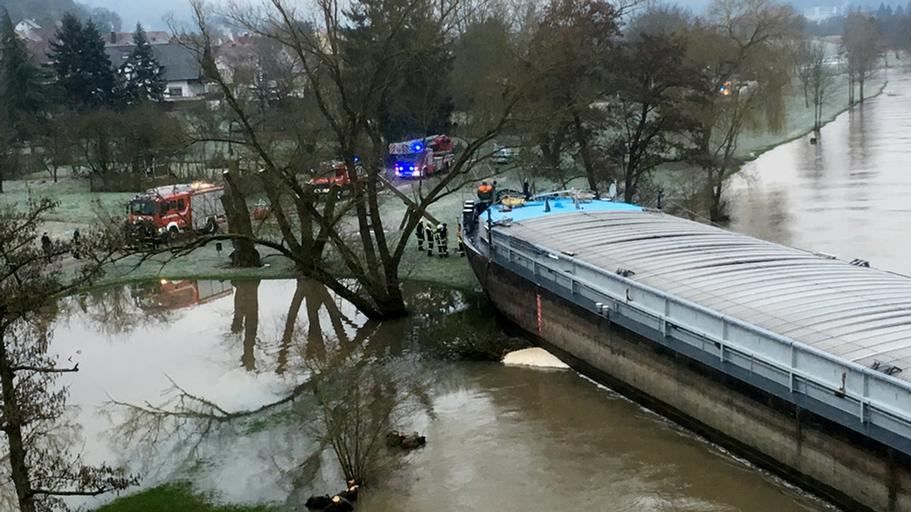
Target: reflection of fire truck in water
174 209
421 157
179 294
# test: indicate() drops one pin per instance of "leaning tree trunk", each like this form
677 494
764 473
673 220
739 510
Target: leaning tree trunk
717 211
245 254
13 429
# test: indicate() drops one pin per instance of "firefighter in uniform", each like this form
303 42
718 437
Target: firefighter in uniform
419 233
443 240
485 196
428 235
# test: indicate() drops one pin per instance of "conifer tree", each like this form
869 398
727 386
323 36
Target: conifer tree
22 85
142 75
83 69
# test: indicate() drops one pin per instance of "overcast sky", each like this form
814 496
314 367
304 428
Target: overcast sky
150 13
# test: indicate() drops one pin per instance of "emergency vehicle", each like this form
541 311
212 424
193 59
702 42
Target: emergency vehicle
335 174
173 209
418 158
331 174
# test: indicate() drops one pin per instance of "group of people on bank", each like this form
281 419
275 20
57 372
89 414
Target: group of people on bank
428 236
47 246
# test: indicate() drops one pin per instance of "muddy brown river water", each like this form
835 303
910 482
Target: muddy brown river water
500 438
849 195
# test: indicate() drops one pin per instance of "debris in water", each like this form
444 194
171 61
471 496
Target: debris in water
341 502
534 357
413 441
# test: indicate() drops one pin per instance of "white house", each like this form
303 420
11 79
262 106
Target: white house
28 30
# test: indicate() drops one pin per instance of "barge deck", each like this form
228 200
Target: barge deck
811 333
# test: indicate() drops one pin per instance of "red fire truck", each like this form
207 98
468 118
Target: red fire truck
173 209
335 174
418 158
331 174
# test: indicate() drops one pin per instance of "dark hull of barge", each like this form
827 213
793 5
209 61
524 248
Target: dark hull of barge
839 464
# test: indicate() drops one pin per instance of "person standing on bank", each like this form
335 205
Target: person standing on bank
46 246
419 233
443 240
77 242
428 235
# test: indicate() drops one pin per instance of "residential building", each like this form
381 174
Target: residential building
182 72
126 38
28 30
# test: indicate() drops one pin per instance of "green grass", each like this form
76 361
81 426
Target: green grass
77 203
78 206
799 117
174 497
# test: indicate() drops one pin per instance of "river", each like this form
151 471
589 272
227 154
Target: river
849 195
499 437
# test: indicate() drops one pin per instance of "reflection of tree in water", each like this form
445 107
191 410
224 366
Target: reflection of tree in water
361 381
246 319
116 310
859 123
452 326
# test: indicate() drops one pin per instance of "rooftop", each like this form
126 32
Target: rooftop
126 38
178 61
858 314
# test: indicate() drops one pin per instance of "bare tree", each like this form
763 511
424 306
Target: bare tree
819 81
349 99
572 46
360 401
647 119
57 148
862 42
742 50
31 280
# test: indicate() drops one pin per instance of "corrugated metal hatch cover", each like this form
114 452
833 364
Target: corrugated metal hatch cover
858 314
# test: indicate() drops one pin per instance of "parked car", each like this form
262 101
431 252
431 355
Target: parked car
503 155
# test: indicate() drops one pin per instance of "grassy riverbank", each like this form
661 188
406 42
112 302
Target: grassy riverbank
80 207
799 116
175 497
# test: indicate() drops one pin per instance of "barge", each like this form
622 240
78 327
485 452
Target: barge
796 360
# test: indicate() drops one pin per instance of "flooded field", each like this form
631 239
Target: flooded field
499 437
207 381
848 195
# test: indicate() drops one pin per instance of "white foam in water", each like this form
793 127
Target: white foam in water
534 357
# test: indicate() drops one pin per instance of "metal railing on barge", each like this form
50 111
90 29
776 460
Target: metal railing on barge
862 399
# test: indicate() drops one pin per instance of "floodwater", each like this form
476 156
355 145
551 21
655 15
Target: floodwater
849 195
526 435
510 438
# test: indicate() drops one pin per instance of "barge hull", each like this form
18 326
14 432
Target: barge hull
844 466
